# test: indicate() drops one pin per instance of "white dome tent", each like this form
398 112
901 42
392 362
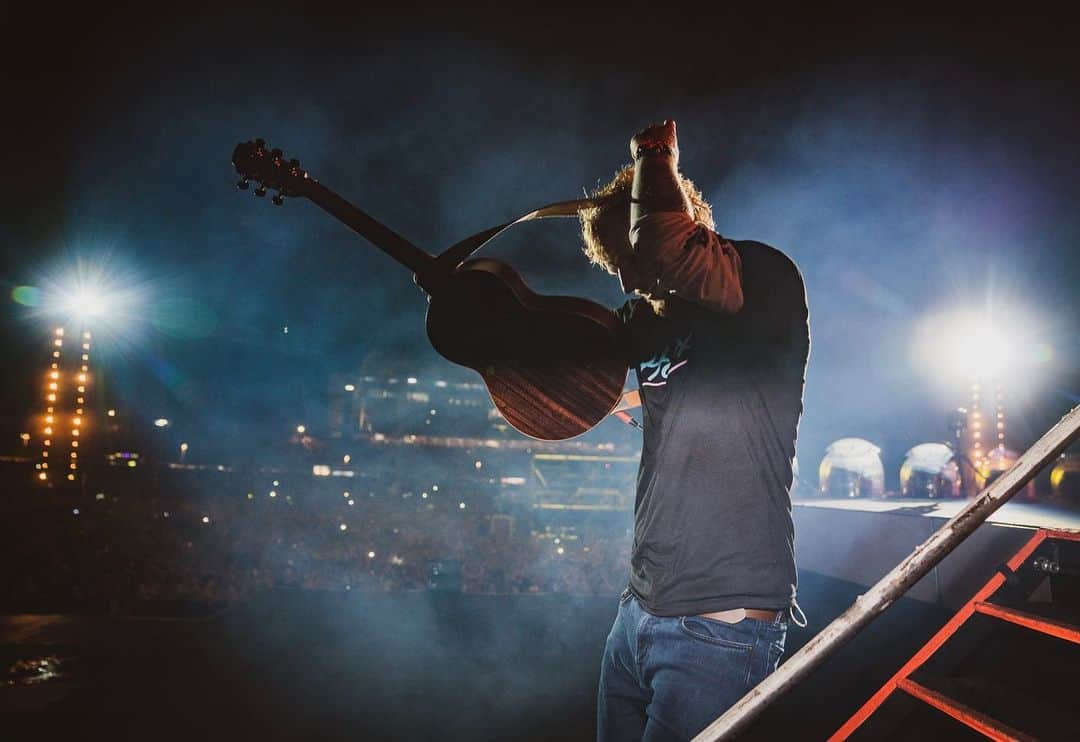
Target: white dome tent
930 471
852 468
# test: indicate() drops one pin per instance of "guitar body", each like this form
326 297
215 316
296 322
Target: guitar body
549 362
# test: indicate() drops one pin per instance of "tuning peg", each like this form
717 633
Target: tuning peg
278 199
242 184
260 191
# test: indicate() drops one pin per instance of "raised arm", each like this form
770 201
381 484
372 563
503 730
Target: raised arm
656 173
674 254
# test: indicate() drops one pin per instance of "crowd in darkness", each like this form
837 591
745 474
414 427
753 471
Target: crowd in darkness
143 546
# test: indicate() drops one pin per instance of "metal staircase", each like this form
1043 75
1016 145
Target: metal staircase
980 720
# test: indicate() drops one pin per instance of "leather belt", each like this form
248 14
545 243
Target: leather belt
738 614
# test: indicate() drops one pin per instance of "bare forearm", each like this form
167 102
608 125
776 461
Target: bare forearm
656 172
656 187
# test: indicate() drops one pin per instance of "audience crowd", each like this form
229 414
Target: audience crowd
132 550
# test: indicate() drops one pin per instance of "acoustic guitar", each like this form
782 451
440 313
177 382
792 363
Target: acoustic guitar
550 363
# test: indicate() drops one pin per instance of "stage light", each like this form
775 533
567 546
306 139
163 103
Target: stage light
343 527
111 413
979 346
301 429
161 422
88 301
350 387
206 519
371 555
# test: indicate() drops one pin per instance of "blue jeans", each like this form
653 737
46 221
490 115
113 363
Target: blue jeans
669 678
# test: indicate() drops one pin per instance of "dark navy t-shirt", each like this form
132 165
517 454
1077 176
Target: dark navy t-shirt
721 400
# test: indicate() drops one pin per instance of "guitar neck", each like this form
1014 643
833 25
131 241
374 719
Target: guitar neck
384 238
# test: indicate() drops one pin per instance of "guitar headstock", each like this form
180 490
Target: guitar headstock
269 169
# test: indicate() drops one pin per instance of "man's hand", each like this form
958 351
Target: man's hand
662 135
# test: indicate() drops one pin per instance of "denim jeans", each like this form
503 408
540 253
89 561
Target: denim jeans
669 678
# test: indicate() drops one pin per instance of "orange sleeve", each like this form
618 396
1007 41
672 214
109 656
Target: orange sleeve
680 256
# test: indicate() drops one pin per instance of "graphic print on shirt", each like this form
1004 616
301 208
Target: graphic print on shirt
655 371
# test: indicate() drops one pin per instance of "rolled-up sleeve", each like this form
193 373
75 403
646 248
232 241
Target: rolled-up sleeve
677 255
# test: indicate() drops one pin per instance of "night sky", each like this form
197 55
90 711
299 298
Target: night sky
910 166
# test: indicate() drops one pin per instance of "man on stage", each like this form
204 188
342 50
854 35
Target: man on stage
719 339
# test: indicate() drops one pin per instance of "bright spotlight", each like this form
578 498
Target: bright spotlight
978 349
87 302
161 422
970 346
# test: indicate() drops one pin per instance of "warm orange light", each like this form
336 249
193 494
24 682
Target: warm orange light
56 354
47 442
48 418
74 444
54 375
52 385
43 476
81 388
51 397
48 430
78 421
74 431
60 331
82 377
58 343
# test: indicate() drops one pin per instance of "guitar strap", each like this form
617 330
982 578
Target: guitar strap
456 254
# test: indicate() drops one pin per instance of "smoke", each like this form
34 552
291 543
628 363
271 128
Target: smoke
896 193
